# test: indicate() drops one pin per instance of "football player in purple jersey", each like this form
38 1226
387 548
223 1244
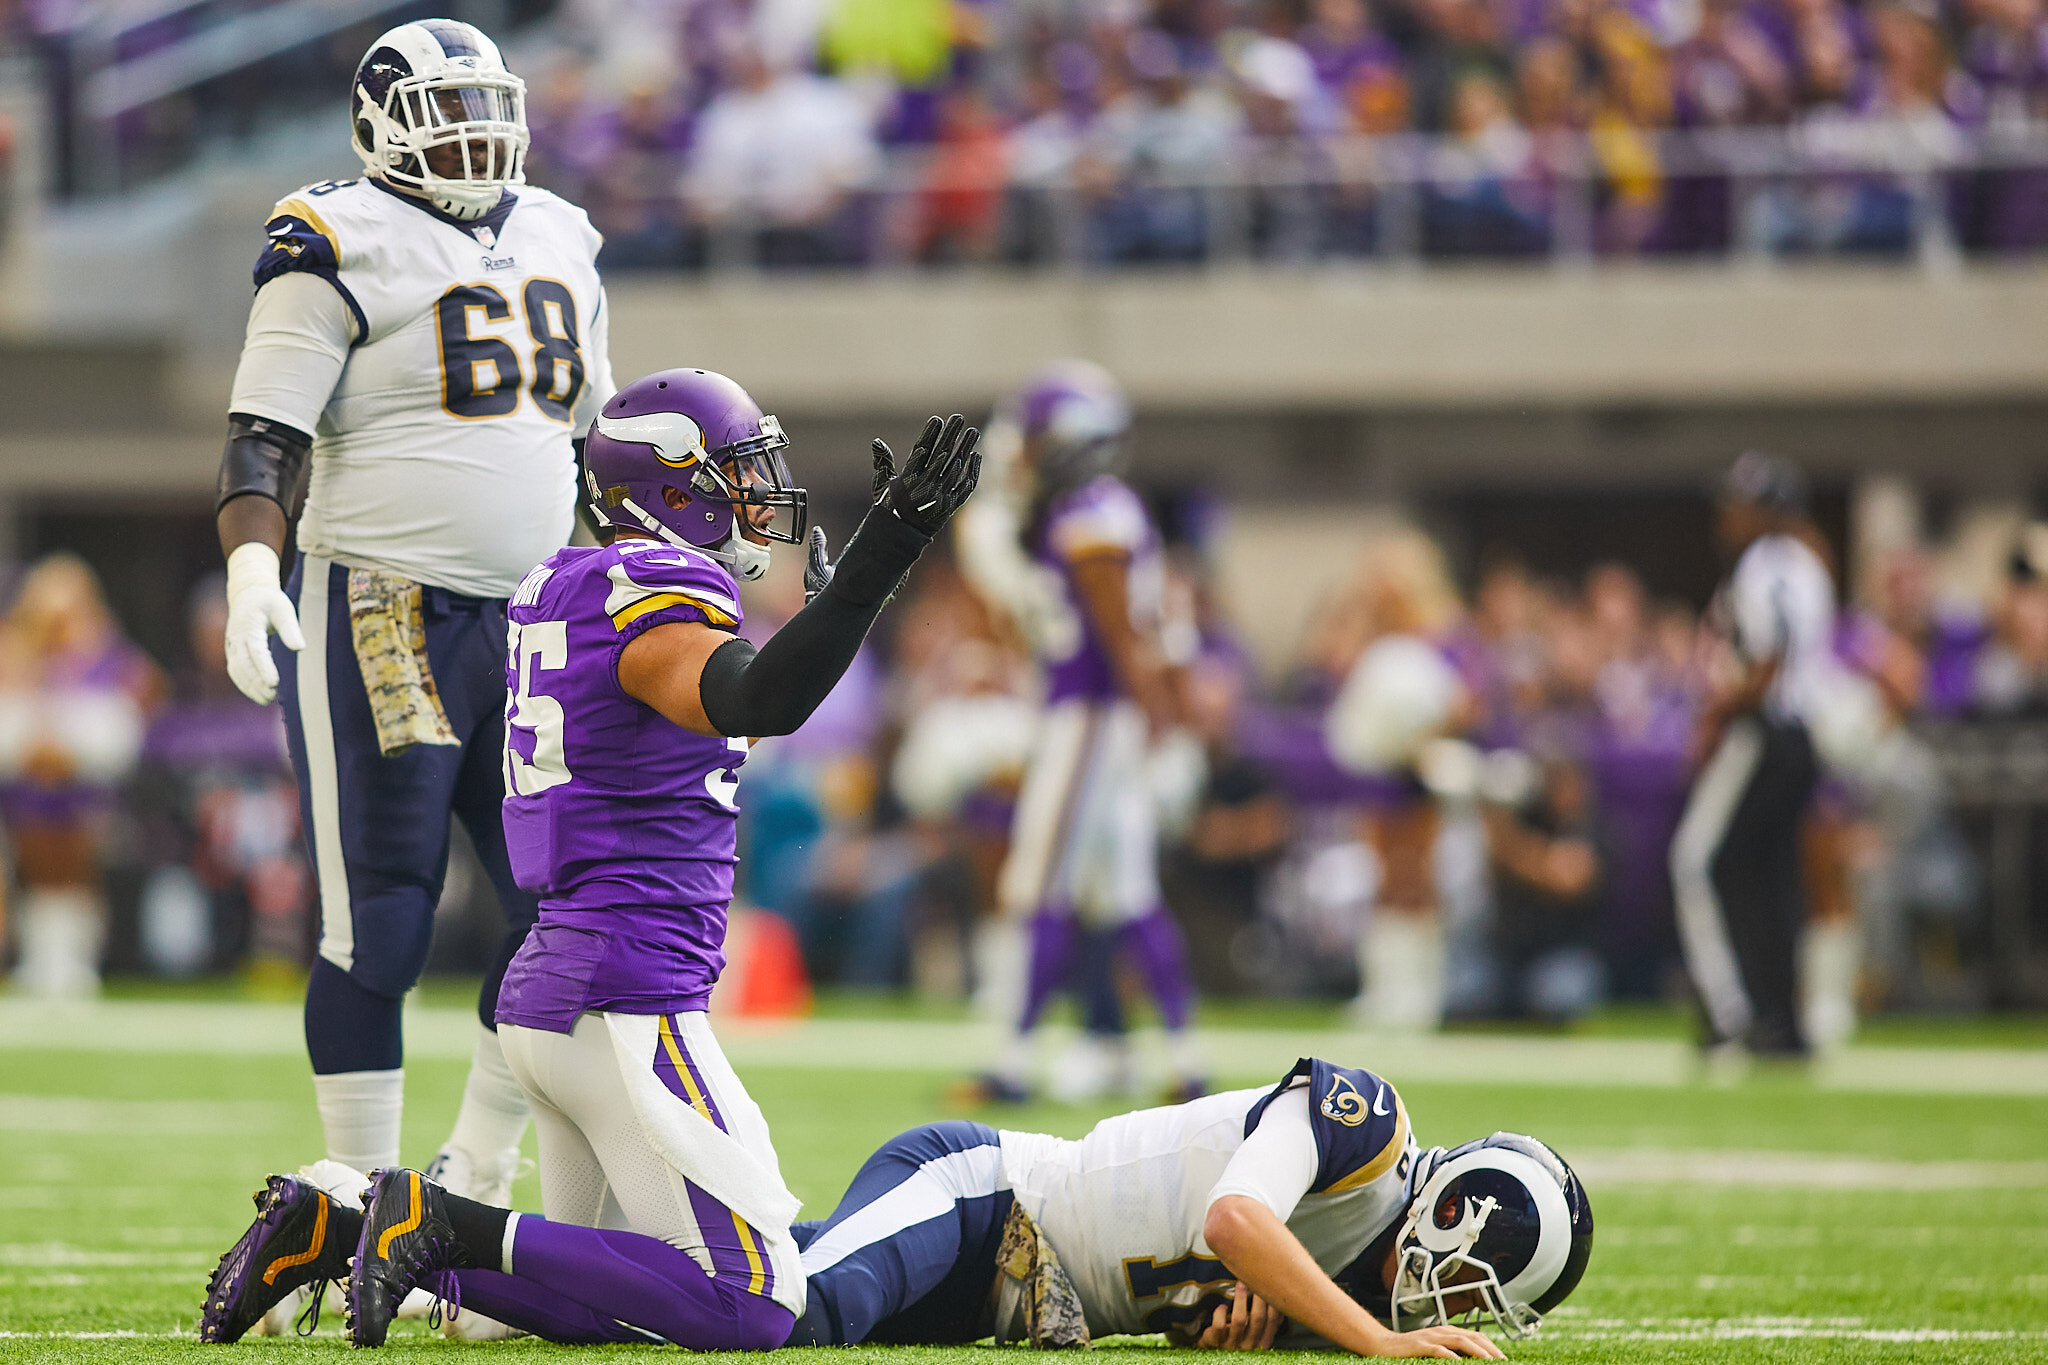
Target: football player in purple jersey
1084 845
631 702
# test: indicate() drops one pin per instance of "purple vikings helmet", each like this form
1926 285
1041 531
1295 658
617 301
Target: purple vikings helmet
438 83
1073 417
700 433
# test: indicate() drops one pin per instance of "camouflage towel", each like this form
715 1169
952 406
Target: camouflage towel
1035 1281
391 651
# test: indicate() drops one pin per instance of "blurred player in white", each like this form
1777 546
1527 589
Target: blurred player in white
1209 1221
1076 562
430 337
1402 693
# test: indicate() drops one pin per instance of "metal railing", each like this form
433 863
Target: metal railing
1908 190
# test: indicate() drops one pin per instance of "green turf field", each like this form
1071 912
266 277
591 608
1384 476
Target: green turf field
1894 1207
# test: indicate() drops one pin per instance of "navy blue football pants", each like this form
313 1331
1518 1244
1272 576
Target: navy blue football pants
378 827
909 1256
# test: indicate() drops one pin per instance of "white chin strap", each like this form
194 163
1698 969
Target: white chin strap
459 199
747 560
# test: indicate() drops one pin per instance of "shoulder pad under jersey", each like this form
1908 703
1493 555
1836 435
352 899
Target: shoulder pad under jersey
302 236
1102 514
1360 1124
647 576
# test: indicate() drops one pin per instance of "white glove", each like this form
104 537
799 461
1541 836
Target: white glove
256 607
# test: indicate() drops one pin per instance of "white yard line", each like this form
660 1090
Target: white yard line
1246 1055
84 1117
1806 1170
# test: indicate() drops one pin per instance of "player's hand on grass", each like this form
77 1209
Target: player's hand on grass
1246 1323
1443 1343
256 607
936 480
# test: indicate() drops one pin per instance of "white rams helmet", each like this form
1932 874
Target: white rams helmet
436 91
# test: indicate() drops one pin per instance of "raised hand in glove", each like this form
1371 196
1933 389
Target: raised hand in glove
817 568
943 468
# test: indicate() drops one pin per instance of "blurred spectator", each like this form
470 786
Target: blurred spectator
227 883
74 697
1546 900
1484 199
1151 152
960 210
2012 672
781 151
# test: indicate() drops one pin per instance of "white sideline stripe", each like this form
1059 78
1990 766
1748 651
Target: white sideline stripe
1811 1170
137 1118
337 921
1244 1056
60 1255
123 1335
1572 1324
927 1194
1885 1334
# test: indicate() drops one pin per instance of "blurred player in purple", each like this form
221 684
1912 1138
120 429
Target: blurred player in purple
632 698
1084 845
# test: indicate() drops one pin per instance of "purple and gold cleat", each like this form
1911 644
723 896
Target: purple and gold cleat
300 1237
406 1242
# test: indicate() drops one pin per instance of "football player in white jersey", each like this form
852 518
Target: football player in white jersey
1211 1221
429 337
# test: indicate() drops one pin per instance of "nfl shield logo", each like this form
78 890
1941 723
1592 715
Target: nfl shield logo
485 235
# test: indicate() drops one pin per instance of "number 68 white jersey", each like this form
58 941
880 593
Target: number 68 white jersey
470 354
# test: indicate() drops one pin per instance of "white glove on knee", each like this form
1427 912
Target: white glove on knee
256 607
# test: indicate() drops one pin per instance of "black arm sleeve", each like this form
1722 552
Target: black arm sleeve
262 457
774 691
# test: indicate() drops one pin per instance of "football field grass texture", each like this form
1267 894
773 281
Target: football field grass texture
1891 1206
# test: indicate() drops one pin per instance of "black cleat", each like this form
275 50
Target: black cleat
301 1236
988 1088
406 1241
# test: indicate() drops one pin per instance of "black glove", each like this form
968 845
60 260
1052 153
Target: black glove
817 568
943 468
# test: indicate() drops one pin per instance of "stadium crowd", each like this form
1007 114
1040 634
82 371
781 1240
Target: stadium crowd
155 811
1033 129
822 132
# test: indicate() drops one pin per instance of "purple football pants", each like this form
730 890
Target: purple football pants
585 1285
1153 941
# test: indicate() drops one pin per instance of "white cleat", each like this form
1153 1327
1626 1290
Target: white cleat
1091 1069
471 1326
283 1318
487 1181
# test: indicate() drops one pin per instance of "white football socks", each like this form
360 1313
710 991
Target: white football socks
360 1112
491 1123
1829 957
1401 971
60 934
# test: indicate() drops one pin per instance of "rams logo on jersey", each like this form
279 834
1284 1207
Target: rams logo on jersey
1344 1104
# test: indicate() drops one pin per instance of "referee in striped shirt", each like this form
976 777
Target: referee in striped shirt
1735 861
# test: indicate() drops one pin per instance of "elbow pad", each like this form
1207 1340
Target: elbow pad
776 690
262 457
722 689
